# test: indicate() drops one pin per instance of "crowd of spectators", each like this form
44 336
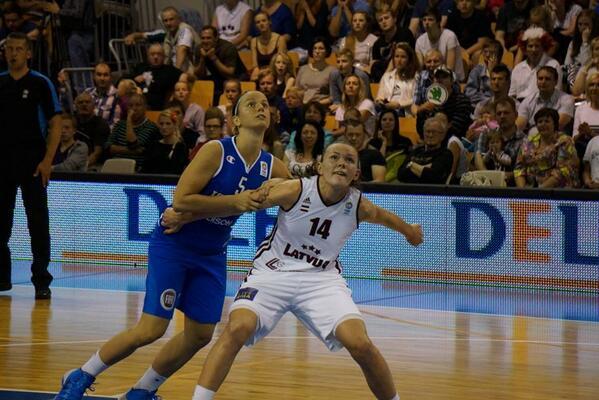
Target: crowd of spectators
490 85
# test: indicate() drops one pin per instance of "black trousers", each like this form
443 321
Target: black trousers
35 200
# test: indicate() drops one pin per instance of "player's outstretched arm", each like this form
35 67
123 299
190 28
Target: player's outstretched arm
197 175
283 193
369 212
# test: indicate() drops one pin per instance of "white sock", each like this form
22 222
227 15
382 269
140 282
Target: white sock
94 366
396 397
202 393
151 381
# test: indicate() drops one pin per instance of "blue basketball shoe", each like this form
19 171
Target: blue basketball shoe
140 394
74 385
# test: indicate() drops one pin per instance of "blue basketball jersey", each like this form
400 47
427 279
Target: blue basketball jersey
211 235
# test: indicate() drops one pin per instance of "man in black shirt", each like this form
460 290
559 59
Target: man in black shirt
156 78
372 162
91 129
28 106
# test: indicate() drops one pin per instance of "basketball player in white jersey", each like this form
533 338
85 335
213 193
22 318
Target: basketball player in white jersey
296 269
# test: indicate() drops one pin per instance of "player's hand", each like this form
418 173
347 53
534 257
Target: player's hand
173 220
415 236
43 170
251 200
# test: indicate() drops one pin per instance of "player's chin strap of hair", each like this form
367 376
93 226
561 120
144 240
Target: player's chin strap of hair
237 104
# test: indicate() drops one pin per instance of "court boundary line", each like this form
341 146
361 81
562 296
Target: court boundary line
44 391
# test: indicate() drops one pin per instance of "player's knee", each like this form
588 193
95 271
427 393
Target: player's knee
147 334
360 348
239 331
198 339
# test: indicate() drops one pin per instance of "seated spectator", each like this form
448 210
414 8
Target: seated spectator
388 141
213 126
564 14
384 45
588 69
13 21
265 45
71 154
401 10
547 96
372 163
314 77
233 20
511 22
180 39
218 61
579 49
496 159
309 147
284 72
359 41
91 129
472 28
499 86
124 89
478 86
345 67
387 138
342 16
547 158
313 111
442 7
169 154
540 17
441 39
232 92
430 162
267 85
512 137
396 89
193 116
156 78
432 60
534 43
457 107
131 137
106 103
483 124
586 116
281 19
295 106
311 20
590 175
461 160
354 96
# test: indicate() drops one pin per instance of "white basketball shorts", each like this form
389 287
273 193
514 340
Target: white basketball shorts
321 301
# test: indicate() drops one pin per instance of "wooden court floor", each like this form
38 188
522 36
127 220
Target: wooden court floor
433 354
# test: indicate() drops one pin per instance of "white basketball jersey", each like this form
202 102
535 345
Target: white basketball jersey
310 235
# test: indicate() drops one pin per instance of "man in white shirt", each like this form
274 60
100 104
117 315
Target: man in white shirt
233 19
546 96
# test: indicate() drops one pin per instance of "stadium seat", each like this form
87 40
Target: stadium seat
294 60
330 122
118 166
374 89
246 58
407 128
202 93
153 116
246 86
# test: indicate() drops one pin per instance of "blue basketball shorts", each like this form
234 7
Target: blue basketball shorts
179 277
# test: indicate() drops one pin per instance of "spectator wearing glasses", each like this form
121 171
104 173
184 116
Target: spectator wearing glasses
213 127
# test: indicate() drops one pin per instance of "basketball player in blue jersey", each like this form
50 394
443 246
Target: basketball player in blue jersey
297 269
187 266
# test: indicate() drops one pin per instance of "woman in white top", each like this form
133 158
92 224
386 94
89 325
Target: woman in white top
396 89
586 116
193 118
354 96
360 41
579 49
309 146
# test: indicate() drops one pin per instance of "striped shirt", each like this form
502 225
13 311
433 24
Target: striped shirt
147 133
